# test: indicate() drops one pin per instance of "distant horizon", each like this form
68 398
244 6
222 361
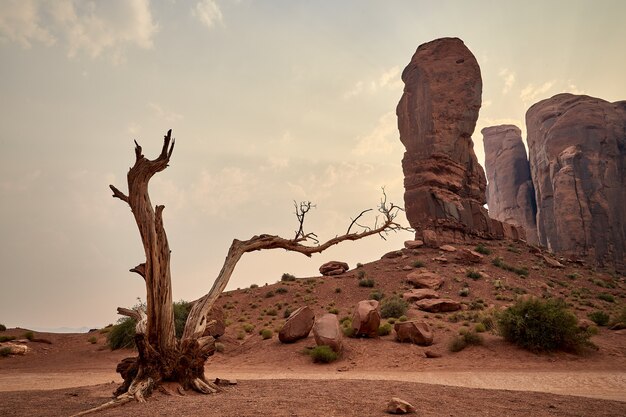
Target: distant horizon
269 102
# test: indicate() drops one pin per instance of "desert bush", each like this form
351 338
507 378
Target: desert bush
542 325
465 339
393 307
367 283
473 274
323 354
247 327
464 292
122 334
271 312
480 328
254 286
573 275
5 351
499 262
287 277
346 328
402 318
606 297
269 294
281 290
287 312
333 310
6 338
93 340
376 295
418 264
482 249
29 335
266 334
219 347
337 290
599 317
384 329
3 328
359 265
181 312
360 274
620 320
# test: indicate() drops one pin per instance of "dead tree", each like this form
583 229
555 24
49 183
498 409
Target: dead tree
162 357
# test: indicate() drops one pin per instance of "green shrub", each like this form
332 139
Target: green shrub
599 317
391 320
271 312
323 354
254 286
480 328
219 347
266 334
620 320
122 334
7 338
93 340
241 335
393 307
606 297
482 249
499 262
418 264
384 329
287 312
360 274
464 292
3 328
359 265
333 310
269 294
287 277
29 335
376 295
402 318
5 351
346 328
181 312
573 275
473 274
337 290
281 290
247 327
367 283
464 340
539 325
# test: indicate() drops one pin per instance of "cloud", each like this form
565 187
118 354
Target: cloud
508 77
382 140
96 29
208 12
531 93
165 115
216 193
390 79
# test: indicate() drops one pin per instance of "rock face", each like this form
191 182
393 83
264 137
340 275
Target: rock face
414 332
444 184
510 191
577 148
298 325
366 319
327 332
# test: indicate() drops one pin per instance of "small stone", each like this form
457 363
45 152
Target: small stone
413 244
440 305
441 259
399 406
431 354
447 248
552 262
392 254
407 268
425 280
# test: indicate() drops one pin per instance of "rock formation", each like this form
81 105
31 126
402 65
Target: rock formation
416 332
327 332
333 268
510 191
444 184
577 148
366 318
298 325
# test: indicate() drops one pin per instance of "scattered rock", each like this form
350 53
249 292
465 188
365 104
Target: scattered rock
366 318
431 354
441 259
15 349
413 244
334 268
584 324
419 294
399 406
327 332
392 254
553 263
298 325
429 237
440 305
425 280
220 381
407 268
416 332
468 256
447 248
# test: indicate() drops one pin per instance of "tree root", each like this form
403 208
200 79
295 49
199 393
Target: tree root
138 391
205 387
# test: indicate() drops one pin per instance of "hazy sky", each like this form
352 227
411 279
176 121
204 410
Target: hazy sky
269 101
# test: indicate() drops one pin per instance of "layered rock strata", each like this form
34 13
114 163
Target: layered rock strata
510 191
444 184
577 148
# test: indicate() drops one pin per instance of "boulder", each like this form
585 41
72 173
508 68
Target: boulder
431 354
510 190
327 332
424 279
437 113
298 325
416 332
553 263
447 248
218 327
439 305
334 268
399 406
577 151
468 256
366 318
15 349
430 238
413 244
419 294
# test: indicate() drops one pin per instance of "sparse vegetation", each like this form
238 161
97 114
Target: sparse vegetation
360 274
480 328
393 307
287 312
281 290
252 286
219 347
241 335
247 327
6 338
464 292
5 351
323 354
606 297
337 290
287 277
599 317
122 334
482 249
3 328
573 275
333 310
29 335
418 264
467 338
384 329
93 340
271 312
499 262
539 325
402 318
367 283
266 334
376 295
359 265
269 294
473 274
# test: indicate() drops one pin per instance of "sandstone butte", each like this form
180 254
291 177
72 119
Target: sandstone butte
510 190
437 113
577 150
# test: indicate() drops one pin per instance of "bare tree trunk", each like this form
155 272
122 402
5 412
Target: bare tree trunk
161 356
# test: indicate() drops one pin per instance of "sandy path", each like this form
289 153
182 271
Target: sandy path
602 385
